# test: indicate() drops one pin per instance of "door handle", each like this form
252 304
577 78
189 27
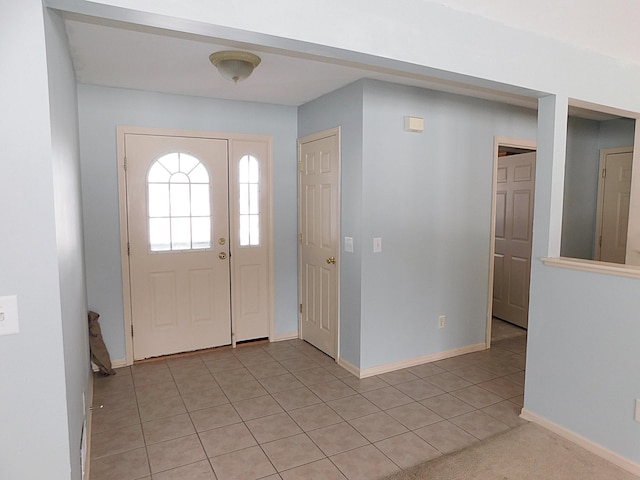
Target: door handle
222 255
331 260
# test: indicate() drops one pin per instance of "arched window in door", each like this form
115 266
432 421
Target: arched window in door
179 209
249 189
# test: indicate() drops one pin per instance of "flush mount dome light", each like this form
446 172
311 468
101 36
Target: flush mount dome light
233 64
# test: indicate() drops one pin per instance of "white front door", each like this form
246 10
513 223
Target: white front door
513 232
319 176
613 208
177 211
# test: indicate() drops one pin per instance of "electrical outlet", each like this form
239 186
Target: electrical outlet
441 321
637 410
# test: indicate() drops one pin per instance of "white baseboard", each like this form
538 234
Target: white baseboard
89 420
585 443
412 362
121 362
283 337
390 367
349 367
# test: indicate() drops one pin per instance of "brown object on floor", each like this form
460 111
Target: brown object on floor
99 352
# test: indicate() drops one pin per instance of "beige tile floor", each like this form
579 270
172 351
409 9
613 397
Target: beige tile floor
287 411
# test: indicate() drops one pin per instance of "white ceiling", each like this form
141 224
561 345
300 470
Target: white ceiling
130 56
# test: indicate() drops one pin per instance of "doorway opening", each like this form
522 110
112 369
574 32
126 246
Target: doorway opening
614 195
511 235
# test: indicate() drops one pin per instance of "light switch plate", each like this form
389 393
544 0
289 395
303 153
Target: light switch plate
377 245
348 244
9 315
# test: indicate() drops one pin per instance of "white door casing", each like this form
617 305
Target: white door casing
250 286
319 221
614 192
513 235
180 299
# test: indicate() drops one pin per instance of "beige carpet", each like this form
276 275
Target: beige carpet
526 452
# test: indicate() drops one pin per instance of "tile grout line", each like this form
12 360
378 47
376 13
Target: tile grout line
512 353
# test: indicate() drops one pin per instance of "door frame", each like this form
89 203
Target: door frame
497 143
306 139
604 152
121 131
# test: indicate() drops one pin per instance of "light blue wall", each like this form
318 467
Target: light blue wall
583 339
428 195
68 216
417 38
617 133
101 111
585 139
343 108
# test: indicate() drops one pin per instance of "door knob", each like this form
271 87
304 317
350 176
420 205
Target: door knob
331 260
222 256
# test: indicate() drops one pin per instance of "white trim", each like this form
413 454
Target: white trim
283 337
594 266
497 143
633 227
412 362
272 246
616 112
349 367
604 152
88 431
585 443
124 229
124 236
121 362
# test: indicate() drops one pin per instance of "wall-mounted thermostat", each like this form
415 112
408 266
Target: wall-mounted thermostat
414 124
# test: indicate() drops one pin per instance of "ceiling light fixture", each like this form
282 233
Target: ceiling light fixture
233 64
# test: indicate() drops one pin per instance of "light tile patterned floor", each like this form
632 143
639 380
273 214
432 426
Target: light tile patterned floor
287 411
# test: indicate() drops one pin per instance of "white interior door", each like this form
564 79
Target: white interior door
513 232
177 206
319 167
613 208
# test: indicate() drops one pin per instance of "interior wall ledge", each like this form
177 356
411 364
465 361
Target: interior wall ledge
594 266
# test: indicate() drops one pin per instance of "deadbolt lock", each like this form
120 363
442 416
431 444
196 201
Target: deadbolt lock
221 241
